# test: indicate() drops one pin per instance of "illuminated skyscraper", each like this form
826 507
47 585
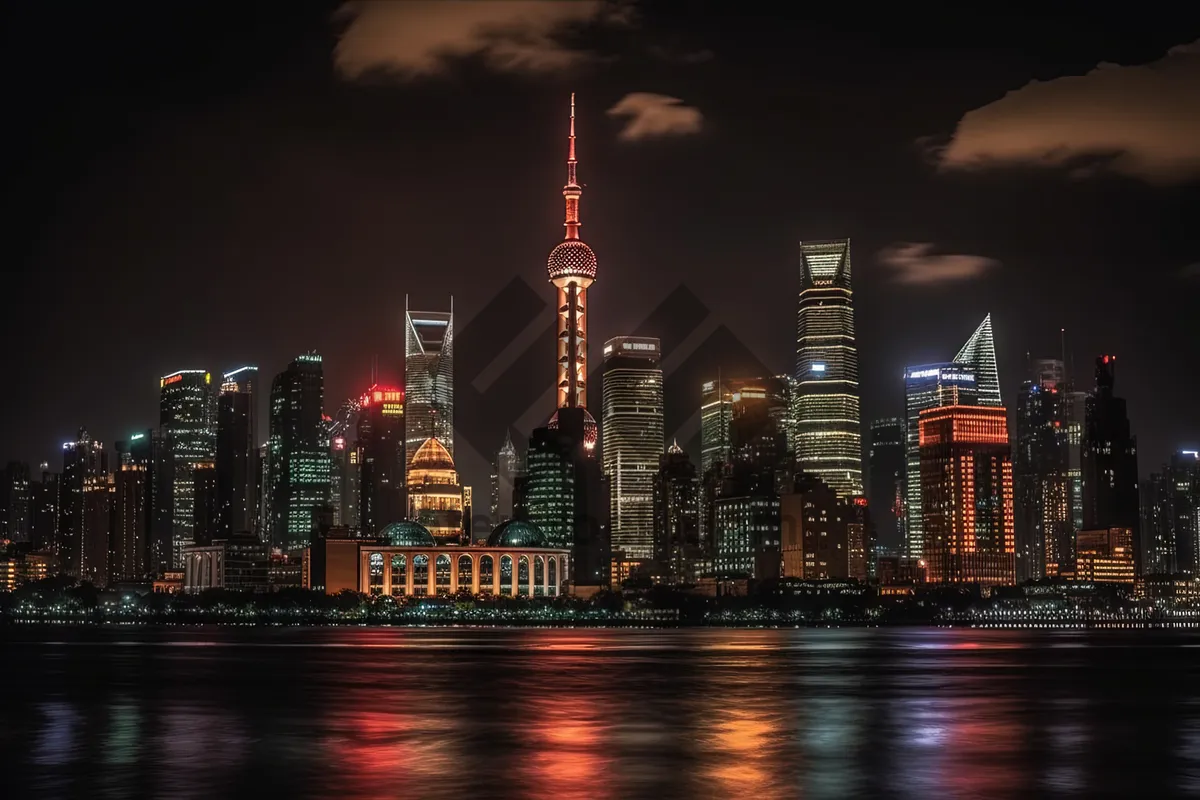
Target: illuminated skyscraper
967 495
236 432
1045 534
298 468
633 439
188 427
828 439
563 492
133 500
435 497
82 510
927 386
716 410
980 353
1110 472
429 377
381 439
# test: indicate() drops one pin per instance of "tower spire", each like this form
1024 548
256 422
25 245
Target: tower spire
572 191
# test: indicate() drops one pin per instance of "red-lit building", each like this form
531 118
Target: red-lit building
381 456
967 495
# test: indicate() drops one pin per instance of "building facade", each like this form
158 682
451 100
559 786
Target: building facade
429 377
632 422
299 461
927 386
822 535
1171 516
406 561
967 495
187 425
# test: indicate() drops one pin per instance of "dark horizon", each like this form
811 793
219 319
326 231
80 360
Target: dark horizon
204 188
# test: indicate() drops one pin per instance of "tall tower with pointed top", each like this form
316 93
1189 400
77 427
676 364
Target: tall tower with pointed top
980 352
828 438
572 268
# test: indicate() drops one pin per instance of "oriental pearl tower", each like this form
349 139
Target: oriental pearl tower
572 269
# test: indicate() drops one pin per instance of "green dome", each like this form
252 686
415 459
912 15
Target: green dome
516 533
407 533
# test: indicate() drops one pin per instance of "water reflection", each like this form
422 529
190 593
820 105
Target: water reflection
601 714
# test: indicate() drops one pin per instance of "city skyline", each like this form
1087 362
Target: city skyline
907 306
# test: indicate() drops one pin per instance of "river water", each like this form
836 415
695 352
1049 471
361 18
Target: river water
531 713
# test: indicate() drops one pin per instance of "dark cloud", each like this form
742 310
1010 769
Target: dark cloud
916 263
1140 121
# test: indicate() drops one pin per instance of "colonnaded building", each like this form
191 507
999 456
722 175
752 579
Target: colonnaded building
406 560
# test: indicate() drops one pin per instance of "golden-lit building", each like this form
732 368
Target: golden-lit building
407 561
435 497
967 495
1104 555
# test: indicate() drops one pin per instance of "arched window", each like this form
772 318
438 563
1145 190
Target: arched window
486 574
506 574
539 576
399 573
420 568
375 574
443 573
465 573
552 578
523 576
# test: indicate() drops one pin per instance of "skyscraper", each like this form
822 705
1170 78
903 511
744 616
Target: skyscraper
632 421
980 353
298 470
381 447
828 438
15 506
887 469
927 386
428 377
967 495
1110 472
716 410
677 515
505 469
1075 415
187 426
82 535
1044 531
133 497
236 432
564 491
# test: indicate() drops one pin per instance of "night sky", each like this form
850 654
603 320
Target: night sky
208 185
